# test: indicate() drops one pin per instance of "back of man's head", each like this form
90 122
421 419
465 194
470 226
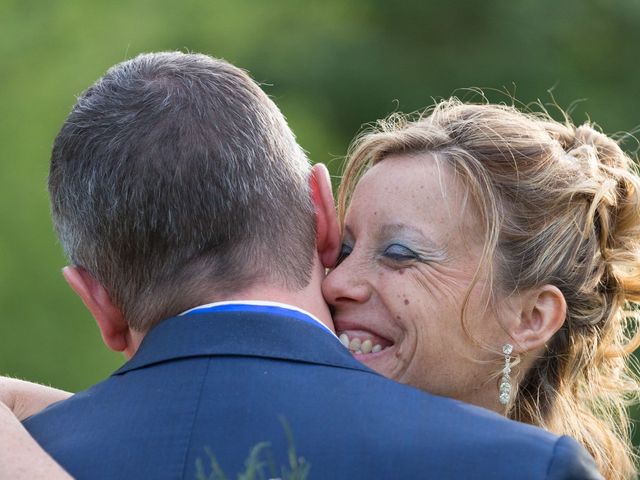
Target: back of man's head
175 174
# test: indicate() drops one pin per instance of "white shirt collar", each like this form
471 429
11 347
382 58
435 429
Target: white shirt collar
262 303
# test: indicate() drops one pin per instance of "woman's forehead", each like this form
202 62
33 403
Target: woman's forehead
419 191
419 182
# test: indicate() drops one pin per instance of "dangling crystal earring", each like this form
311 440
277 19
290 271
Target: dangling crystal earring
505 382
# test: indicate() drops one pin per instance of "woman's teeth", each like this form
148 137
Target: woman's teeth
357 346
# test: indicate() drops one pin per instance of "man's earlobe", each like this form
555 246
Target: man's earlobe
327 226
110 320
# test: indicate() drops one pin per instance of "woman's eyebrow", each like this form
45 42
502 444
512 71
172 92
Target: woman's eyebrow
391 229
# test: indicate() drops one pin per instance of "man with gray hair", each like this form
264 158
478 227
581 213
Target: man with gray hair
199 236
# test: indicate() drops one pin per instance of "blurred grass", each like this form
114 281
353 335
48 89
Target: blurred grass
331 66
260 464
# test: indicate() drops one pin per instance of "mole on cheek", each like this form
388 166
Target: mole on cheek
401 272
406 301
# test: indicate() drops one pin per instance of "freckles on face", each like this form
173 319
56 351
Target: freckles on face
409 255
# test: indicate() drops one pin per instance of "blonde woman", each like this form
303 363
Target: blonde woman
493 256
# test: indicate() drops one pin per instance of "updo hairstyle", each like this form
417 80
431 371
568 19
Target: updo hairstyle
560 205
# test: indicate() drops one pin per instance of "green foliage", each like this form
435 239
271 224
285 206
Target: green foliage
259 460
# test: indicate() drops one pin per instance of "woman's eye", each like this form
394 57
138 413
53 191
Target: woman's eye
399 252
345 250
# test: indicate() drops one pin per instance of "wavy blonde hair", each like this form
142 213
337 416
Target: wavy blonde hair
561 206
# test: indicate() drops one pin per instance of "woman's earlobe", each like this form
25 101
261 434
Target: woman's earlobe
543 314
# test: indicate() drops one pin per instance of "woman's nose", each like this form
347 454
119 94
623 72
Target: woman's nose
346 283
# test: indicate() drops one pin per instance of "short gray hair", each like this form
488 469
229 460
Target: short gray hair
175 175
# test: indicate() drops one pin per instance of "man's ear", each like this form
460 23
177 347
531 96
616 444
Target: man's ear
327 227
110 320
543 312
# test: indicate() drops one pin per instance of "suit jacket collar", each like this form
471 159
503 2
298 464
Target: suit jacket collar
240 334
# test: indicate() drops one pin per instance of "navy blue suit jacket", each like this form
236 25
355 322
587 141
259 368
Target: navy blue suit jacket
221 380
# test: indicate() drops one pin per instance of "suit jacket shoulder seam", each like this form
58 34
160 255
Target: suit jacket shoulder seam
553 456
193 421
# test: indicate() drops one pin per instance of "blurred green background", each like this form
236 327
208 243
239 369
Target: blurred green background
331 66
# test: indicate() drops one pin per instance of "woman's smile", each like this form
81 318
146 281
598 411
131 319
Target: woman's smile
409 256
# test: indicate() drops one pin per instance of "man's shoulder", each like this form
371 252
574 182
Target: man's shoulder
387 424
484 441
425 415
342 419
227 393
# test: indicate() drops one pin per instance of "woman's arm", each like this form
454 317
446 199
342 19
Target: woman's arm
25 398
20 456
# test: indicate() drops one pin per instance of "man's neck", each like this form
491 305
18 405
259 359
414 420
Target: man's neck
313 304
304 300
309 299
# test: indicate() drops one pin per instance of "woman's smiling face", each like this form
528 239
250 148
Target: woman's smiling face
410 251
